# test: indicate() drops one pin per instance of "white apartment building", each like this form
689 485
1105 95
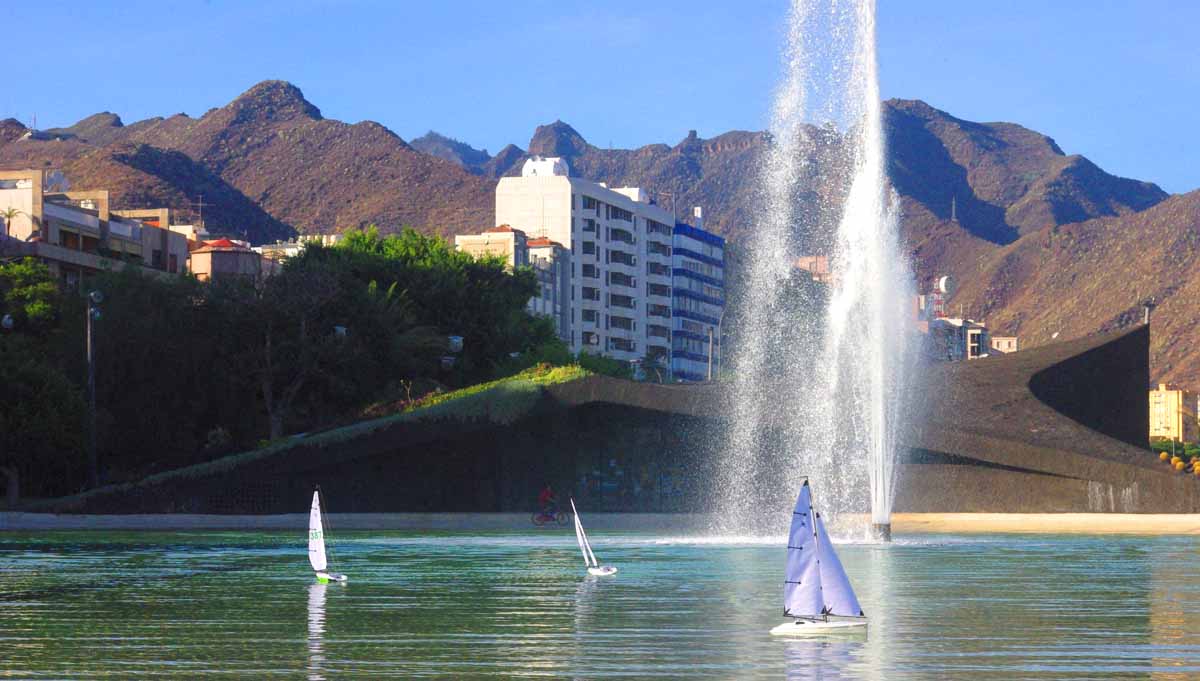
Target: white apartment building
620 253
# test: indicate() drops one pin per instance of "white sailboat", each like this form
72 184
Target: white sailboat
585 547
316 543
816 587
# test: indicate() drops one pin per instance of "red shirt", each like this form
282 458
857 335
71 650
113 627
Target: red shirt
545 497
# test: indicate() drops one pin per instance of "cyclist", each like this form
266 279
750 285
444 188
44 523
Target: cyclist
548 501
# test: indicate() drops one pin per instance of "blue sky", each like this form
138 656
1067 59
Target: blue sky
1116 81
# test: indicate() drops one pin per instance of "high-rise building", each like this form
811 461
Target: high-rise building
628 290
697 302
620 247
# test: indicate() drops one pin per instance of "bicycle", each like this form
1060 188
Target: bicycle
540 518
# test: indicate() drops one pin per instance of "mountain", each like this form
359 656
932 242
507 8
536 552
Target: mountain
452 150
269 148
1040 241
1072 280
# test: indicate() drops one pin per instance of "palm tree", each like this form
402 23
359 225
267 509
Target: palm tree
8 214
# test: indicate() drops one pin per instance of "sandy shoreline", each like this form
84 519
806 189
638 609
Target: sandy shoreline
685 523
1046 523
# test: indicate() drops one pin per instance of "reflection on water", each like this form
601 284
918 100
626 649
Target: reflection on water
507 605
316 631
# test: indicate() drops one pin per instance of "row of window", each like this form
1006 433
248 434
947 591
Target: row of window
699 287
703 268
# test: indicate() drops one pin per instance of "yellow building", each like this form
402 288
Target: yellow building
1173 414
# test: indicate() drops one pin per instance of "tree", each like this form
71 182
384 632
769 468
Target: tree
29 293
8 214
40 422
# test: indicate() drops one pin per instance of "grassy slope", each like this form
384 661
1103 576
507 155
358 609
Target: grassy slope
502 402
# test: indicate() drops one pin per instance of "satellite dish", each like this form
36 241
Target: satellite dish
56 181
945 285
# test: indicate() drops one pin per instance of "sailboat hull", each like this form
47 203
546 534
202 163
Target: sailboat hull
818 627
602 571
326 577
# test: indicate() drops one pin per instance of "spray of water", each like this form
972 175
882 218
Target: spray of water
819 377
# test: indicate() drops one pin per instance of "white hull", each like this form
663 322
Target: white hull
817 627
331 577
602 571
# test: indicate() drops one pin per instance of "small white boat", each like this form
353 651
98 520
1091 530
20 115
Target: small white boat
316 544
816 587
585 547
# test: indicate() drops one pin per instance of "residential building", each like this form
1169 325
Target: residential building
817 266
1002 345
953 339
620 245
549 260
1173 413
697 303
503 241
76 233
551 263
223 258
282 250
620 248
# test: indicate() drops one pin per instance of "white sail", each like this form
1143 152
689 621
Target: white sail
316 535
802 583
835 585
585 547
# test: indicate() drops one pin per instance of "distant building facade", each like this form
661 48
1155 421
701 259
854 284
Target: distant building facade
223 258
619 293
77 234
549 260
1173 414
697 303
613 236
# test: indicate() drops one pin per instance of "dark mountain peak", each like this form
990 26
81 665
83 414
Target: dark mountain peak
274 100
557 139
11 129
437 144
101 128
503 161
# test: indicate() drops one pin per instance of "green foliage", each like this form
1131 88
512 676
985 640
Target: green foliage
29 293
40 421
605 366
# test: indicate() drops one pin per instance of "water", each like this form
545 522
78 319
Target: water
451 605
832 412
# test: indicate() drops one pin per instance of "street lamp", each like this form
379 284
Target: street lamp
6 322
93 314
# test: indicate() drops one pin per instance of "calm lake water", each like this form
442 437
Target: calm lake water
452 605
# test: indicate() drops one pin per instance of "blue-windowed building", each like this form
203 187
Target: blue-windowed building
697 302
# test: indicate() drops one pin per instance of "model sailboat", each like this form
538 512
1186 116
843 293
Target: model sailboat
816 587
585 547
316 543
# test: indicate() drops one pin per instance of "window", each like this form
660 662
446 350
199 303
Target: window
622 323
655 248
589 316
621 235
615 213
621 344
589 225
590 293
658 331
590 338
590 204
659 290
658 269
591 271
622 257
659 311
156 259
654 227
589 248
621 279
172 263
618 300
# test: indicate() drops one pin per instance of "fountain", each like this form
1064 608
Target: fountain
832 410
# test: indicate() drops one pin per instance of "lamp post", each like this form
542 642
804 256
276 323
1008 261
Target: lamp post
93 314
720 346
